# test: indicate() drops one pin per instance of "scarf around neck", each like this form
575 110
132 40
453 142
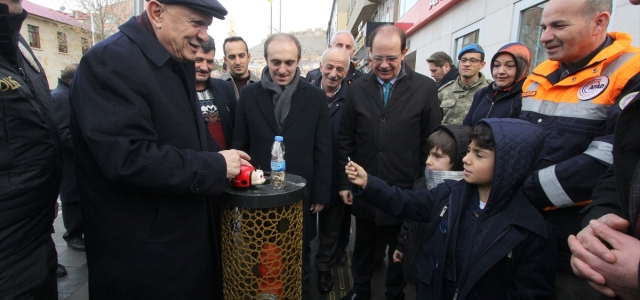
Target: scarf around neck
281 98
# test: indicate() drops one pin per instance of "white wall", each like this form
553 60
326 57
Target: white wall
495 18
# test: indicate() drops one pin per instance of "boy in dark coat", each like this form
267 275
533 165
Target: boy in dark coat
485 240
447 145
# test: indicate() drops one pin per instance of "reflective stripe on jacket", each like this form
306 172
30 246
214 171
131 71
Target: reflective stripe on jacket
578 122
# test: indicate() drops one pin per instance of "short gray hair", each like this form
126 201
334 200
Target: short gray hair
329 50
347 32
594 7
209 45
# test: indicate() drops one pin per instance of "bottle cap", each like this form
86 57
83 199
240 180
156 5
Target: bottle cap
279 138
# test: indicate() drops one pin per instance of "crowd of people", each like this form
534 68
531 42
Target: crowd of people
526 186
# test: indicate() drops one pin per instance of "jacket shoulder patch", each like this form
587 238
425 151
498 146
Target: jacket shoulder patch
627 99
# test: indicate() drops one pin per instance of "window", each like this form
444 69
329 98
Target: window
62 42
34 36
85 45
465 36
405 5
469 38
529 32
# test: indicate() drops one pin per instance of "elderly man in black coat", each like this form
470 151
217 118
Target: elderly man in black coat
146 164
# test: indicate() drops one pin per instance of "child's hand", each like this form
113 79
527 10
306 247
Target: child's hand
356 174
397 256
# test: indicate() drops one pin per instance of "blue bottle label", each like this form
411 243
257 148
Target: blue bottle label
278 166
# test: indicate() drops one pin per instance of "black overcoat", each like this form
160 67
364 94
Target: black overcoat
62 112
146 170
306 133
389 142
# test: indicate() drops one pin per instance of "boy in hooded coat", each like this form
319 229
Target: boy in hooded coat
447 142
503 249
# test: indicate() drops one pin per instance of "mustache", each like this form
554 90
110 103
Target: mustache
553 43
333 78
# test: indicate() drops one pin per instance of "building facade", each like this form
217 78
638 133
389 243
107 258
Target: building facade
449 25
57 39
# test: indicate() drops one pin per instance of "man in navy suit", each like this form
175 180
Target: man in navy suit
217 97
282 104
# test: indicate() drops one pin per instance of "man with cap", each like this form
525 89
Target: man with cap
456 96
148 170
442 68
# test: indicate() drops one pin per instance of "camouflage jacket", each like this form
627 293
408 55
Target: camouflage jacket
455 99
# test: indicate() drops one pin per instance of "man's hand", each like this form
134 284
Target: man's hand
356 174
611 272
346 196
397 256
316 208
235 159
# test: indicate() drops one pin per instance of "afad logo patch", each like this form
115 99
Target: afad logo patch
627 99
593 88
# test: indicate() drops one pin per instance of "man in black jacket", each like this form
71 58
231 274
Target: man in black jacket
442 68
217 97
71 215
343 40
385 125
30 166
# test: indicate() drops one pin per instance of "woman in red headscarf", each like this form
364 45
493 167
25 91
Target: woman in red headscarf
503 98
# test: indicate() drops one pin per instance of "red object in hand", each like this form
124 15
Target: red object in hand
248 176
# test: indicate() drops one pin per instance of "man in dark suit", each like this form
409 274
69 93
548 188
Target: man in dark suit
282 104
217 97
146 165
71 215
385 124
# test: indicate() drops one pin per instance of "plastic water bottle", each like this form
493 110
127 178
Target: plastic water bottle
278 165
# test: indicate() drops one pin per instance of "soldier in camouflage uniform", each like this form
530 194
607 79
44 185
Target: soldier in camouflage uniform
456 95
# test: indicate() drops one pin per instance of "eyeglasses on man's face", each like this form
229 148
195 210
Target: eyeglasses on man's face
464 60
389 59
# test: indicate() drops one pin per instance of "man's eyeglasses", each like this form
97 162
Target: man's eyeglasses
471 60
380 59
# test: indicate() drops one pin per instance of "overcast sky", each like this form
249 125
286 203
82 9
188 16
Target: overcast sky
252 17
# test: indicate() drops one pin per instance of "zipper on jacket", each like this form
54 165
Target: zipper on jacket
455 296
444 210
467 263
52 128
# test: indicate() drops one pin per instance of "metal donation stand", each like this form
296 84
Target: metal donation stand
262 241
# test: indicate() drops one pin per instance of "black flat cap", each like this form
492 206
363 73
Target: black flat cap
212 7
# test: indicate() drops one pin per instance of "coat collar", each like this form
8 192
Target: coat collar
373 87
149 45
265 104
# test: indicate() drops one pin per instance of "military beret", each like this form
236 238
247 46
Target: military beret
471 48
212 7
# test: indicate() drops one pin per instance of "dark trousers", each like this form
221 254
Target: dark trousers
328 235
72 219
33 276
364 259
570 286
345 228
